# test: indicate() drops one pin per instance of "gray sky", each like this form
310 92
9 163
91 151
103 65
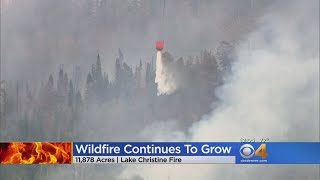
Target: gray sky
38 35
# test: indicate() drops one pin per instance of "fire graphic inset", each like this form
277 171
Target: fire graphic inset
35 153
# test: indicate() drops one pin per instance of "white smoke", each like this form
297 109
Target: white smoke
273 93
164 78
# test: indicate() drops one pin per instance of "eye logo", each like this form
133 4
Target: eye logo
246 151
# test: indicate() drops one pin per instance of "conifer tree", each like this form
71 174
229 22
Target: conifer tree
88 93
70 94
50 82
98 69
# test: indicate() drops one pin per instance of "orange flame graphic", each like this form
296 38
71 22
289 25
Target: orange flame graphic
35 153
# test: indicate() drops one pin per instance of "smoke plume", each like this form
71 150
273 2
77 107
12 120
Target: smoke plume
273 93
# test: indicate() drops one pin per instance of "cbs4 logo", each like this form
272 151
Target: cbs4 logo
247 151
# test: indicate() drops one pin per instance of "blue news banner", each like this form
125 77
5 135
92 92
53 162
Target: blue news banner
197 152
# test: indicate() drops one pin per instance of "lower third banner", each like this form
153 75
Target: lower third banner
159 153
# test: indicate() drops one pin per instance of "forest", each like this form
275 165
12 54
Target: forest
57 109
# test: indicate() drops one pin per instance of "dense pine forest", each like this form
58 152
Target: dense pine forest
60 108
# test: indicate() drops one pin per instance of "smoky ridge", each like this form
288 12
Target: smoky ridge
86 70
